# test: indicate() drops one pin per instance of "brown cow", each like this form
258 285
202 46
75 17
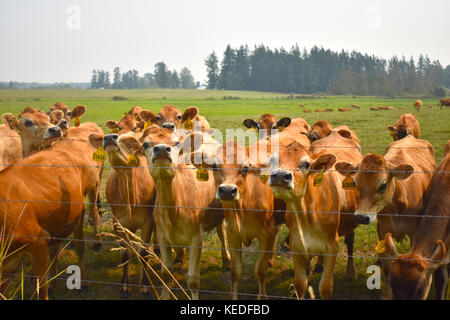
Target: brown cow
418 105
391 188
444 102
130 192
412 272
329 110
170 117
44 202
185 207
307 111
10 146
322 128
356 106
374 108
312 233
248 207
406 124
344 109
319 110
126 124
135 112
266 123
68 114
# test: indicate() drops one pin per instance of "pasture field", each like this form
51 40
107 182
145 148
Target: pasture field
228 109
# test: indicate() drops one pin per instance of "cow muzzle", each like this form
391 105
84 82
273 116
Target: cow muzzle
281 178
110 141
162 152
169 125
53 132
227 192
364 218
63 124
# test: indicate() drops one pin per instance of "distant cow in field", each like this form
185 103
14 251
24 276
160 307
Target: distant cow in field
356 106
307 111
391 188
406 124
319 110
374 108
171 118
418 105
344 109
412 273
329 110
444 102
268 122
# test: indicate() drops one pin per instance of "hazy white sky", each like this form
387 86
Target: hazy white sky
45 41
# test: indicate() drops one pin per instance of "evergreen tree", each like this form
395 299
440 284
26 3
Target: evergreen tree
161 75
187 80
212 66
117 83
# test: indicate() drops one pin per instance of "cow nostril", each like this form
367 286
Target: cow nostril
234 191
168 149
115 136
288 177
156 149
220 190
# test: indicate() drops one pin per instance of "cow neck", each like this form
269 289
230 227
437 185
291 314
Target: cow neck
233 214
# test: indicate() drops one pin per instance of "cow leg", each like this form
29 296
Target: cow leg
146 235
94 217
193 275
326 281
79 249
39 262
318 268
54 251
441 282
125 290
181 253
266 245
166 259
300 280
351 271
221 232
236 263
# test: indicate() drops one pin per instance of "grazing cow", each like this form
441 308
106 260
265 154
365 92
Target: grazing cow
329 110
248 207
319 110
406 124
344 109
356 106
44 202
391 188
267 122
130 192
343 148
170 117
430 106
312 233
411 275
444 102
322 128
307 111
418 105
35 130
10 146
374 108
185 207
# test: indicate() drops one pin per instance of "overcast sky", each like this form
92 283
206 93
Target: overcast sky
49 40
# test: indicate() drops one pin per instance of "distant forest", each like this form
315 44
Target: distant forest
322 70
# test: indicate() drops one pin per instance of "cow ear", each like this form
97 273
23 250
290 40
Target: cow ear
111 124
346 168
11 121
150 130
139 126
95 140
147 115
190 112
284 122
345 133
401 171
392 128
324 161
438 255
249 123
78 111
391 250
56 116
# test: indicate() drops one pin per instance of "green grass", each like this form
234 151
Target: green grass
222 114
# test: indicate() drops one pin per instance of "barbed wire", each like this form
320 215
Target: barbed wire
399 215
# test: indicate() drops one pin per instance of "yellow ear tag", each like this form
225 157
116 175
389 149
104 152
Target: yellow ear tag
348 183
115 130
77 122
280 129
99 155
318 179
148 124
132 160
188 124
264 176
201 174
380 248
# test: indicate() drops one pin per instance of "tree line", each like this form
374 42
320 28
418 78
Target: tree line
162 77
323 70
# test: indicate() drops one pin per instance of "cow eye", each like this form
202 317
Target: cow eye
69 113
305 165
158 118
215 167
244 170
179 117
28 123
146 145
382 188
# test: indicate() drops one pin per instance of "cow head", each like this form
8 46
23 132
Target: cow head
64 122
229 167
411 274
291 168
170 117
267 124
126 124
135 112
319 130
35 129
399 132
375 179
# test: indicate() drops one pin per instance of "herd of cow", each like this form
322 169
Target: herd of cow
175 184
